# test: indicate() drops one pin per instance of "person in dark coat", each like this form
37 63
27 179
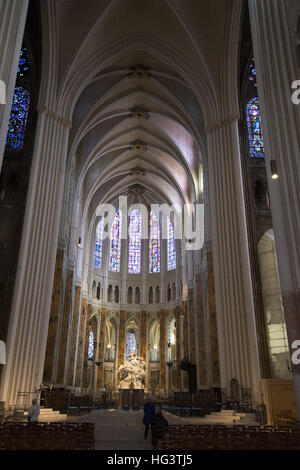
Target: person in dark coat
149 414
158 427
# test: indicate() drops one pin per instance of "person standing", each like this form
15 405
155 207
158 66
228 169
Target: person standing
34 412
149 414
159 427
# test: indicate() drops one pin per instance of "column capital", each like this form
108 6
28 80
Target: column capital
221 123
56 117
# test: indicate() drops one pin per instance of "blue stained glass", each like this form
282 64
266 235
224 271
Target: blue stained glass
130 343
252 73
154 245
23 62
171 247
98 244
91 346
256 142
115 244
18 119
135 240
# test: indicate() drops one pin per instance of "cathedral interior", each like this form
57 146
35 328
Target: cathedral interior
173 103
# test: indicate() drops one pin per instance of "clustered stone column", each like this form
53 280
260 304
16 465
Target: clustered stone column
275 67
36 263
86 347
80 348
177 383
162 350
72 349
213 329
53 321
101 355
64 333
201 332
185 340
192 328
185 329
121 349
233 287
143 335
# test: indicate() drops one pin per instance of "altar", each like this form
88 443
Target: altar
131 398
132 383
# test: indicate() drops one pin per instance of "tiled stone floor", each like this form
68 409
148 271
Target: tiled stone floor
121 430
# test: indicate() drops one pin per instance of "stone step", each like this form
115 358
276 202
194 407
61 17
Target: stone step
220 415
203 421
219 419
47 410
48 415
228 417
52 419
233 414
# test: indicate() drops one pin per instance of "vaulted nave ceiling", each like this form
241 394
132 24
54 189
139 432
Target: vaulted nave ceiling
138 80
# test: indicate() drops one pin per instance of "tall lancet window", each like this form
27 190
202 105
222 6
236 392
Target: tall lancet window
20 108
135 241
252 73
115 244
154 244
98 244
131 346
171 250
256 142
91 346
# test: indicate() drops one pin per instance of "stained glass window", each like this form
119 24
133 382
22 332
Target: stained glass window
256 142
91 346
154 245
115 244
135 240
20 107
18 119
130 343
171 246
252 73
98 244
23 62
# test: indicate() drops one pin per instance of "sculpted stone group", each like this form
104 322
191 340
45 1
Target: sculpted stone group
133 372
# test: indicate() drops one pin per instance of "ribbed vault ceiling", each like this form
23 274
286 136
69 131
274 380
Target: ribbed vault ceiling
137 122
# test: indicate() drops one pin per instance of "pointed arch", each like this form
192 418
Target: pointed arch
255 136
154 244
20 106
18 119
130 295
115 243
171 250
98 244
91 346
116 295
110 293
150 295
157 294
154 340
135 242
137 297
